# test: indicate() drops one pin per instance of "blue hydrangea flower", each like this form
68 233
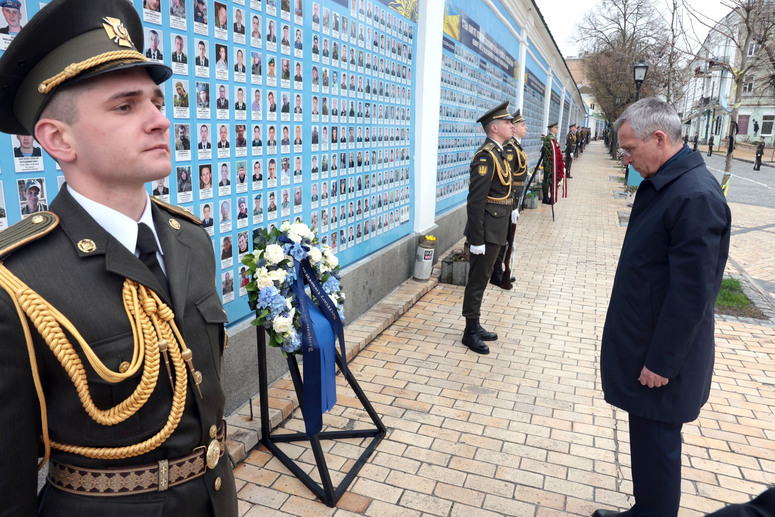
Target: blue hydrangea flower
266 296
331 285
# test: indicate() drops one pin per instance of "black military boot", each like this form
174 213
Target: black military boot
485 335
472 339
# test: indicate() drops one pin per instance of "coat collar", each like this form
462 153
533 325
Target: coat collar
680 163
90 240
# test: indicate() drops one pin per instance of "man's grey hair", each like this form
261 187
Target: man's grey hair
649 115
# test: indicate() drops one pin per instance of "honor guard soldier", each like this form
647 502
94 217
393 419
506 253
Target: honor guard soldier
553 165
570 148
517 159
111 325
489 205
759 153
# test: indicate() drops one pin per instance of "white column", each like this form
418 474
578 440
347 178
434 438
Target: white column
522 59
430 27
547 99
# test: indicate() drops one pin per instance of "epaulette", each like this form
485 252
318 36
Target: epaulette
181 211
25 231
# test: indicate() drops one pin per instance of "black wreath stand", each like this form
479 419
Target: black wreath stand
325 491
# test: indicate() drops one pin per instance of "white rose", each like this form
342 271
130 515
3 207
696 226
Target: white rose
281 324
262 280
285 226
315 255
332 260
301 230
278 275
295 237
274 253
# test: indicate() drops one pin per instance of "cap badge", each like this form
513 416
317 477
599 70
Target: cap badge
117 32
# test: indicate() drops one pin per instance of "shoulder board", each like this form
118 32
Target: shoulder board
180 211
27 230
487 146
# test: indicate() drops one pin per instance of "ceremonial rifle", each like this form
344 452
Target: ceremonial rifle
506 280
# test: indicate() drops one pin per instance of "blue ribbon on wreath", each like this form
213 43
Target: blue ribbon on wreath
320 327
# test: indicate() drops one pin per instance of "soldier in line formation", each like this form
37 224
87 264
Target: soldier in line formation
554 167
490 207
517 158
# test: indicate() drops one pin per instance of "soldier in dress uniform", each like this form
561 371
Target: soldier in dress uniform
111 325
489 205
570 147
759 153
517 159
553 165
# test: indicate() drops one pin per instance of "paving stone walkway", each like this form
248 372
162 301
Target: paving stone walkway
524 431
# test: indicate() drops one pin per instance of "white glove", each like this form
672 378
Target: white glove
514 216
571 155
478 250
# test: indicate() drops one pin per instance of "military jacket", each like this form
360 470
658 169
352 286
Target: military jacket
490 197
79 269
760 149
518 162
570 143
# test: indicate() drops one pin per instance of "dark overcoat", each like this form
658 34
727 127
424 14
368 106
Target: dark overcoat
86 287
661 310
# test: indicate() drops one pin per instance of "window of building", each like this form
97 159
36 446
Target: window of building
753 49
767 123
748 85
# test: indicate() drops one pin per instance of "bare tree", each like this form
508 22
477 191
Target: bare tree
614 36
750 29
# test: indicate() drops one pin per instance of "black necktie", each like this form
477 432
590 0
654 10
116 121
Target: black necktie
146 244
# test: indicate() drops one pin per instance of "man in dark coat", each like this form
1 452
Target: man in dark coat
489 205
759 154
136 427
657 348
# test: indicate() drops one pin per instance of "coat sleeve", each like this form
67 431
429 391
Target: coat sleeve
482 167
698 229
19 418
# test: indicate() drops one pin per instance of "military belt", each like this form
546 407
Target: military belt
508 202
139 479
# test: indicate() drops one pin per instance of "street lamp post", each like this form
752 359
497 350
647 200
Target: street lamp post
639 74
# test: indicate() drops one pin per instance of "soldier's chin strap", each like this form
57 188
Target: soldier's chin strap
155 337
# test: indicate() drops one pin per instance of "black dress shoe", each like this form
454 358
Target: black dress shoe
472 340
496 279
608 513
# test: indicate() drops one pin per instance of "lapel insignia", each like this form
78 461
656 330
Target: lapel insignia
86 245
482 170
117 32
175 225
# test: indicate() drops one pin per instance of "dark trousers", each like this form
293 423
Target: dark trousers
479 271
568 162
710 149
758 163
655 451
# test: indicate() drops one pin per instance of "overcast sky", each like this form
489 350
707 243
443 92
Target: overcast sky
562 16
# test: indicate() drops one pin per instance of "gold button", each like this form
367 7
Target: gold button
213 431
217 483
123 367
38 219
175 225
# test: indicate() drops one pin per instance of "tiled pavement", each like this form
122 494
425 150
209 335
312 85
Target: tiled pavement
524 430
